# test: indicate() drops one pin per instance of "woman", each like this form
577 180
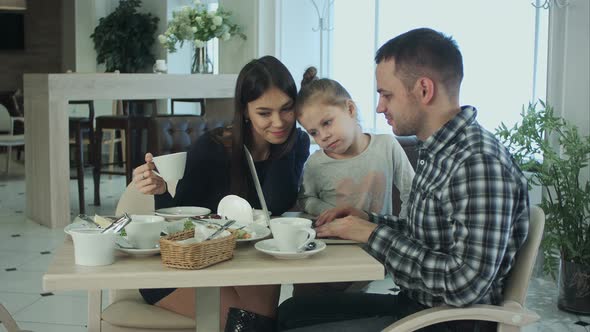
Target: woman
264 121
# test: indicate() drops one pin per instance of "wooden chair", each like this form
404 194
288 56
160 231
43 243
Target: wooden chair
127 311
511 315
8 322
82 134
9 140
130 125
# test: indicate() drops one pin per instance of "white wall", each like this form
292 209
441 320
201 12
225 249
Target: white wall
299 43
568 88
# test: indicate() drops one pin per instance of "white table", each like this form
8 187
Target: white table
248 267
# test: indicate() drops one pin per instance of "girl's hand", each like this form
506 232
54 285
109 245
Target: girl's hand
146 181
348 228
339 212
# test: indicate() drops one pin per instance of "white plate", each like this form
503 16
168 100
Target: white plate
123 245
258 231
139 252
269 247
182 212
79 224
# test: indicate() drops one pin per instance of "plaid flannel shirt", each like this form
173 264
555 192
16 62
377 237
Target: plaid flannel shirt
468 215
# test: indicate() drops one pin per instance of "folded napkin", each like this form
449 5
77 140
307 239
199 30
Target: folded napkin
202 232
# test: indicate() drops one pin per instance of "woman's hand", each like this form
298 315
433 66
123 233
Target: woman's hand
339 212
146 181
348 228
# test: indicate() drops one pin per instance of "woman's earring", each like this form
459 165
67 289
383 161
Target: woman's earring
247 120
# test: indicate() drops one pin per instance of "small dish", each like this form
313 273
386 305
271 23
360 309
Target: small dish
258 231
180 212
269 247
139 252
123 245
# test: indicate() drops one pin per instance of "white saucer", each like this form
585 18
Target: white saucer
182 212
258 231
139 252
269 247
123 245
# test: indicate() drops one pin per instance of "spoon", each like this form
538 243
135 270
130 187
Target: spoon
310 246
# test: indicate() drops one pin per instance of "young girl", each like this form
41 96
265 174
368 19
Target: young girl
352 168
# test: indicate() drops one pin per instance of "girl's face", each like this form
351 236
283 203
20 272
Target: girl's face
332 127
271 116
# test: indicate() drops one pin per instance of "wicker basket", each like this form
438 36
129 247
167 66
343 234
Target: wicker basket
196 255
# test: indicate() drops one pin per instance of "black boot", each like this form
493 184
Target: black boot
239 320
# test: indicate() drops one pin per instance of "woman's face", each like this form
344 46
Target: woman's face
271 116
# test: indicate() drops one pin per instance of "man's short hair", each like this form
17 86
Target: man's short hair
425 52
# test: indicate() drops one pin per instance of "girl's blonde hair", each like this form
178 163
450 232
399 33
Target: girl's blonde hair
324 91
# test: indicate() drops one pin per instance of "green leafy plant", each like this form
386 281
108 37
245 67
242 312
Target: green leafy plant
124 38
566 201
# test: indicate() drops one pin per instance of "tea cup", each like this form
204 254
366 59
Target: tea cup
143 232
170 166
292 234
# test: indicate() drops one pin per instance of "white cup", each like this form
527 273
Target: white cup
143 232
93 248
170 166
292 234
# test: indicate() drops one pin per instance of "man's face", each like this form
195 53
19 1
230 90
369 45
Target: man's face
400 107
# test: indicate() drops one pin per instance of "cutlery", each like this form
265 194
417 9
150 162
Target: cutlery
221 229
310 246
117 225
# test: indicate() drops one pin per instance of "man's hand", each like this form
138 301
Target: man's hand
348 228
339 212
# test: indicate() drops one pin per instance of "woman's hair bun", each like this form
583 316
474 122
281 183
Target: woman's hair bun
309 76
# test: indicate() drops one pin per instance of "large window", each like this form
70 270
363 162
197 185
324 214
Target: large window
504 47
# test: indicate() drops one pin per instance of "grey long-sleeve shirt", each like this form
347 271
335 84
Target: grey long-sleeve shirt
364 181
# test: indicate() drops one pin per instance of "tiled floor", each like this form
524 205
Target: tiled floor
26 250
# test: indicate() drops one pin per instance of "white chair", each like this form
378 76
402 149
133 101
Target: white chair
9 140
511 315
8 322
127 311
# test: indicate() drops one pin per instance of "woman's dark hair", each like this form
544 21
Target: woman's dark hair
324 90
425 52
256 78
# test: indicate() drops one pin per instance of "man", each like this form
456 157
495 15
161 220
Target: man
468 209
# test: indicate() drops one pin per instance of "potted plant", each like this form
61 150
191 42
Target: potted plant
198 25
123 39
566 201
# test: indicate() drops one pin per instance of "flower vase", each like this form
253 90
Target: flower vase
202 64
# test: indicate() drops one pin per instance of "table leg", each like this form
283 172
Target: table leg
207 301
94 310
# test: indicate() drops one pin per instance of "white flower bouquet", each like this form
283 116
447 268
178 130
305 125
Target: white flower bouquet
198 25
